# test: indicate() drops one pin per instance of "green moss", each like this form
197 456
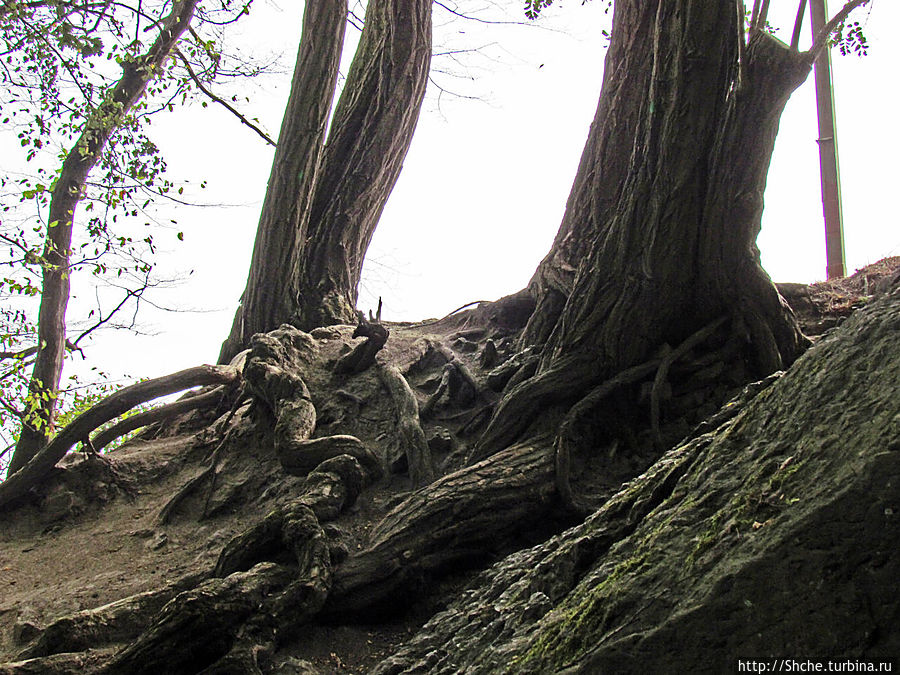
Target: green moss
576 626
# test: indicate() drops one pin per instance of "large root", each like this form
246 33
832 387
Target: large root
409 429
252 602
120 402
461 518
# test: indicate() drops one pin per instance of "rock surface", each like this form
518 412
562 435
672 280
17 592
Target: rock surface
762 538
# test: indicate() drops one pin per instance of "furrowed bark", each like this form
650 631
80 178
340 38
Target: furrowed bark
68 192
370 134
678 249
266 302
602 170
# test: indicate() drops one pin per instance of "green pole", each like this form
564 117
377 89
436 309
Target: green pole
828 152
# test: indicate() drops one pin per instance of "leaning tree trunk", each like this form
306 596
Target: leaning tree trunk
284 219
323 206
69 190
370 135
602 170
677 249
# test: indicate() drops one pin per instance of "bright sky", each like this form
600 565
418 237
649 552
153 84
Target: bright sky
485 183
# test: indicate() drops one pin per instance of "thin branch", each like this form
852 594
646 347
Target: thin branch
479 19
21 354
128 295
839 18
798 25
202 87
753 16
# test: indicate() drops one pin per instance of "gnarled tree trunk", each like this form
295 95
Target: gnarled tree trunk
668 245
323 217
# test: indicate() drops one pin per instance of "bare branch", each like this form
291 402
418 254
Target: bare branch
202 87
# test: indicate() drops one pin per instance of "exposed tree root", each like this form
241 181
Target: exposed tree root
428 409
409 430
460 518
564 438
165 513
302 457
57 664
109 408
663 371
199 626
363 355
160 414
500 376
118 621
252 602
524 402
464 388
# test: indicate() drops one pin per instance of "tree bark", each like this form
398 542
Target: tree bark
603 168
308 274
266 302
69 189
370 135
676 249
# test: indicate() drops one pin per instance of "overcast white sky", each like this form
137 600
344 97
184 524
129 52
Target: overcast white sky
485 183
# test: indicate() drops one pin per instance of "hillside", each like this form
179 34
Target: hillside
228 541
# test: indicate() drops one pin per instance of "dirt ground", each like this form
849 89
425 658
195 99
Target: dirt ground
92 536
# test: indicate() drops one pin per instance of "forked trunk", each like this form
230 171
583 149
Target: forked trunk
324 202
284 219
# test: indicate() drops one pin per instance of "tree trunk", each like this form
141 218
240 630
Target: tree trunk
602 170
677 248
78 163
308 273
370 135
266 301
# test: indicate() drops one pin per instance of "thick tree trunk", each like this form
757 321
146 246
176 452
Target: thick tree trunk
79 162
677 249
283 222
323 204
602 170
370 135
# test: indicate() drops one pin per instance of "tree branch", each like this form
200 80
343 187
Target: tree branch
798 25
202 87
839 18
